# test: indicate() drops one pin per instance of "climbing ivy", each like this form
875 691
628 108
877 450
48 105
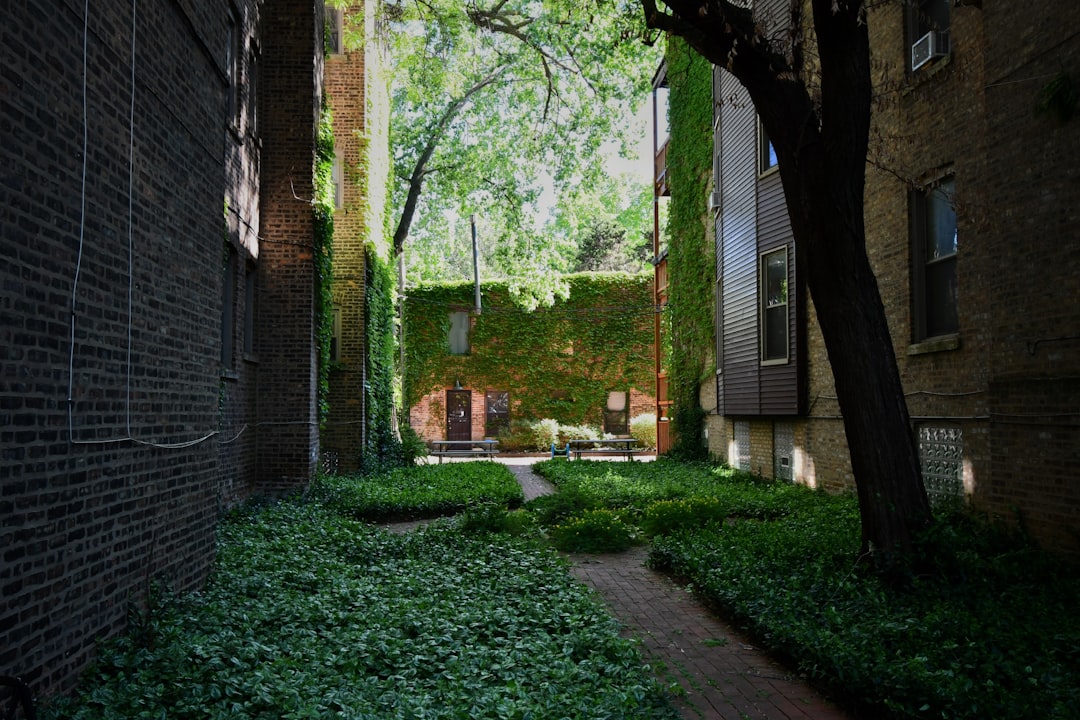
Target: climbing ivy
556 362
382 448
691 252
323 242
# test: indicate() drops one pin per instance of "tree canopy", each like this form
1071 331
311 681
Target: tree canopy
501 109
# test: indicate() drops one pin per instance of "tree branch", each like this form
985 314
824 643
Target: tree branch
435 136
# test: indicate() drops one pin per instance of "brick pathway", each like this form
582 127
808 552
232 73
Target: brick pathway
721 673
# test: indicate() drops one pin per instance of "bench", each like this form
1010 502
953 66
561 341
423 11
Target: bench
603 446
464 448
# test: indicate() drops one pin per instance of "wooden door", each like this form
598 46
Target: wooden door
459 415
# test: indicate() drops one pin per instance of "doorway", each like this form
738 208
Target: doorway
459 415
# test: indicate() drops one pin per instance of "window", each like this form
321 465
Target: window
766 152
249 310
232 67
335 335
497 412
459 333
335 44
774 306
933 253
925 17
253 93
337 181
228 307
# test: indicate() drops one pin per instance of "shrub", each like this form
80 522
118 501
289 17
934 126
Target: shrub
666 516
643 429
594 531
491 518
577 432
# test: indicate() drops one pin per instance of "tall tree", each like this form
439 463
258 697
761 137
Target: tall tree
811 87
493 98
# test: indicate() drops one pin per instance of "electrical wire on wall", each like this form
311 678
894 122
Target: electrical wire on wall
80 253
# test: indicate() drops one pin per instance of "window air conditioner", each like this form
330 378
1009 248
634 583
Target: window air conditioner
933 44
714 200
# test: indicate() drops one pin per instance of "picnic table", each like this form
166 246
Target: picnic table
625 446
464 448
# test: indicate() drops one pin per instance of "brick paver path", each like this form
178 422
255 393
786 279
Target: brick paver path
721 673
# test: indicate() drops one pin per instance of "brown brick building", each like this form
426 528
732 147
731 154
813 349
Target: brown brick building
356 97
973 229
157 358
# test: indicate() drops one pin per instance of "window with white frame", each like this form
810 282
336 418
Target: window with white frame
774 306
337 181
934 294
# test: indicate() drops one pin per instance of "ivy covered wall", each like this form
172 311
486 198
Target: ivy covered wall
558 362
691 264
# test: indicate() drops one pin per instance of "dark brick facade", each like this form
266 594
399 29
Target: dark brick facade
1003 389
156 358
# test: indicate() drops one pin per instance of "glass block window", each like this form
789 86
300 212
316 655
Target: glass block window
783 450
741 456
941 453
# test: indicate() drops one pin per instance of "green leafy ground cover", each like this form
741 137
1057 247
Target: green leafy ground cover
420 491
977 623
310 614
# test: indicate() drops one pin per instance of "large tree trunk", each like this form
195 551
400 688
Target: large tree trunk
821 144
823 183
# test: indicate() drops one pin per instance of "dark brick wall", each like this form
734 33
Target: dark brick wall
287 445
127 487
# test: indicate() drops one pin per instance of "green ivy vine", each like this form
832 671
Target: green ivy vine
691 250
324 255
556 362
382 447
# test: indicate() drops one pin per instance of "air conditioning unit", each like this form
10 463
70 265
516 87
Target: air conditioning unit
714 200
933 44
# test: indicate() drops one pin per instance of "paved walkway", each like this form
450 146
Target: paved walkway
721 673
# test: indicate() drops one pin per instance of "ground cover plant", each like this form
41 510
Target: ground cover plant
313 615
422 491
975 623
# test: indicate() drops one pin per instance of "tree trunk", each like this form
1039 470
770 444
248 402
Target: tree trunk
821 142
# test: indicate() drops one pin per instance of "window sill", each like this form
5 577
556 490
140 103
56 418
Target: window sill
229 374
942 343
917 78
251 358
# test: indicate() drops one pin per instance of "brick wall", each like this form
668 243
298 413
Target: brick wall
428 416
126 487
288 423
345 91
